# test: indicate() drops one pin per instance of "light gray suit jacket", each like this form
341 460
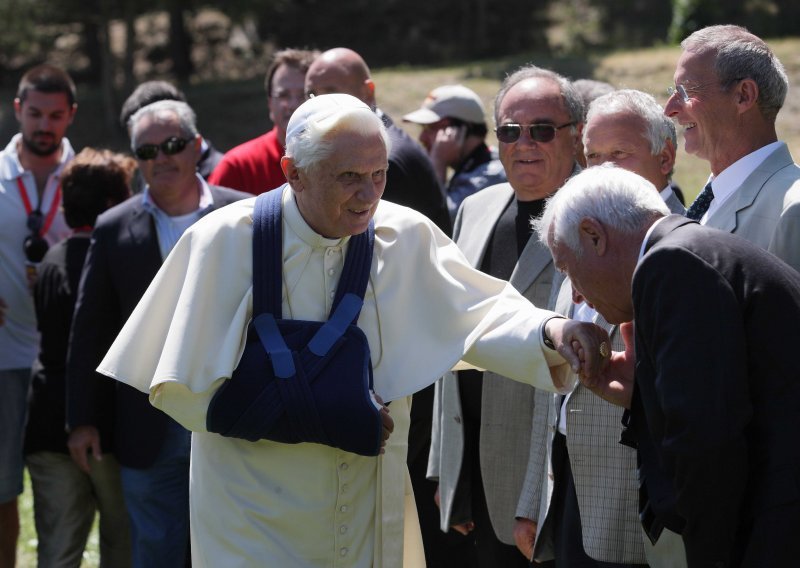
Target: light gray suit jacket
604 470
765 209
506 406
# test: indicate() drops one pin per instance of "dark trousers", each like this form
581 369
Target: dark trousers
490 551
442 550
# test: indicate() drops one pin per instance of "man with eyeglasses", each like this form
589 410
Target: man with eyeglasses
729 88
30 222
255 166
539 118
129 243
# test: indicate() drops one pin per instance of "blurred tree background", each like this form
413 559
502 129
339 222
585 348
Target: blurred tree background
111 45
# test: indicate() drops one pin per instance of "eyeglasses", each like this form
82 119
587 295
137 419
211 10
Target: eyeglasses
681 91
34 246
684 92
510 133
171 146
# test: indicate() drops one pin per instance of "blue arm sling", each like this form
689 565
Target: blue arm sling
301 381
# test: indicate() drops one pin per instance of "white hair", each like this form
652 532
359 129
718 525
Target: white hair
658 127
314 143
612 195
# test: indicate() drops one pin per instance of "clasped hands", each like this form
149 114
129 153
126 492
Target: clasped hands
586 347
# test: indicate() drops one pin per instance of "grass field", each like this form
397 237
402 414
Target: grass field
233 112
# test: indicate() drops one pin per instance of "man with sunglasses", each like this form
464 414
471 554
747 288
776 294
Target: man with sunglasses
129 243
539 118
30 221
729 88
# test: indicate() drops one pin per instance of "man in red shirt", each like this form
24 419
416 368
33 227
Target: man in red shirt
255 166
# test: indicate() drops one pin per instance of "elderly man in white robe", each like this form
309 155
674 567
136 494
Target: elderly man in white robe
425 311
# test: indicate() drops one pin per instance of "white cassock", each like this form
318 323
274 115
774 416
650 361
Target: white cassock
282 505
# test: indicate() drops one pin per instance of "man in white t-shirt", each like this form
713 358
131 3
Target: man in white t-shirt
30 221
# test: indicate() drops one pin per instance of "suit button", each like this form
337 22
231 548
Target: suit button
457 419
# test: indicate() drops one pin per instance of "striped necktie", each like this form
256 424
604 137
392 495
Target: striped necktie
700 205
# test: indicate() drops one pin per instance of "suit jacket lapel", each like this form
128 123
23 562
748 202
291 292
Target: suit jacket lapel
564 304
473 242
534 259
675 205
726 217
144 235
141 227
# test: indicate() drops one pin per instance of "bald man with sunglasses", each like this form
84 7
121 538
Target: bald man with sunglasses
539 118
129 243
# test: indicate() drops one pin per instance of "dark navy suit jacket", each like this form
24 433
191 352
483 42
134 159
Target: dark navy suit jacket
716 408
123 258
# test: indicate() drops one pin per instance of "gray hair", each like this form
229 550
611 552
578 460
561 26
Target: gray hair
312 145
161 110
659 127
742 55
572 99
612 195
591 89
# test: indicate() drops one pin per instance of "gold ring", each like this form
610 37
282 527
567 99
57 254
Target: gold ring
604 352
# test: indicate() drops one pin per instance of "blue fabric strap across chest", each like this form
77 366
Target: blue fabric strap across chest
301 381
267 285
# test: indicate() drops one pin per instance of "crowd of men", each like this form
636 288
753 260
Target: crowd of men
600 376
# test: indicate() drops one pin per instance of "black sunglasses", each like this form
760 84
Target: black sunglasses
510 133
171 146
34 246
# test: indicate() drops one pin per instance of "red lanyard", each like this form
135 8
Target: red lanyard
51 215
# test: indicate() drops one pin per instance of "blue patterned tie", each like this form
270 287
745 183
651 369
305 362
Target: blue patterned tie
700 205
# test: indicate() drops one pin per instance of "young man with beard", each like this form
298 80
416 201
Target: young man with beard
30 221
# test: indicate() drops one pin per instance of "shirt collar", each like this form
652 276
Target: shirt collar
10 166
731 178
647 238
293 217
206 199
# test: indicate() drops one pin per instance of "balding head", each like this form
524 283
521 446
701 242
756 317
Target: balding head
341 70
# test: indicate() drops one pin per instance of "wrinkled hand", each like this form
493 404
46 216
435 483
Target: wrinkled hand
3 308
579 344
525 536
82 440
388 423
615 382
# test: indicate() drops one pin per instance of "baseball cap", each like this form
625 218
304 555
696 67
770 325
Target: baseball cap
320 108
449 101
